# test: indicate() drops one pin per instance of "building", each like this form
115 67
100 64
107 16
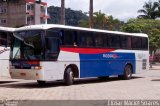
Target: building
16 13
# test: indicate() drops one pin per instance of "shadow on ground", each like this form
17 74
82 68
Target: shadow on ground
33 84
155 80
3 82
154 69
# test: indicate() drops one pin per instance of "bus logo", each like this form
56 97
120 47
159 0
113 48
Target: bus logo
110 56
115 56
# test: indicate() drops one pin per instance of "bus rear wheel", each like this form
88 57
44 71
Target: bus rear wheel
69 76
127 72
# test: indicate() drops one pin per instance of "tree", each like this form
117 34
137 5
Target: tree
99 20
149 10
72 17
148 26
84 23
102 21
158 4
62 12
113 24
91 14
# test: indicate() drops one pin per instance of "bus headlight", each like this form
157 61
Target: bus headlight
36 67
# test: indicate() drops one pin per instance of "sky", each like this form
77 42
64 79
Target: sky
121 9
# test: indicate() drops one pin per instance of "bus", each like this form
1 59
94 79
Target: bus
6 34
59 52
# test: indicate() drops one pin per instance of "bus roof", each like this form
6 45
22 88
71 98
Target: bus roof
48 26
7 29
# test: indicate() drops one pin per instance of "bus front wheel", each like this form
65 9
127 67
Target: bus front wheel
127 72
69 76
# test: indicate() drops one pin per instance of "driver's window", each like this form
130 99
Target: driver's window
52 46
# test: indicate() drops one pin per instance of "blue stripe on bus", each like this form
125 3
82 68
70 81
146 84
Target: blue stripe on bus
93 65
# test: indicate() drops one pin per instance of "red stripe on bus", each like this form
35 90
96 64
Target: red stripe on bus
87 50
33 62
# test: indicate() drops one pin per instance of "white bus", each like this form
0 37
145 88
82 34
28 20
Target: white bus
5 41
54 52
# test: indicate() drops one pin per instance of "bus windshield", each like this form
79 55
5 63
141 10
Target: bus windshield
27 45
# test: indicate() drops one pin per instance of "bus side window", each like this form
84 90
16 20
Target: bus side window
85 39
114 41
81 40
129 43
124 42
106 40
52 48
75 39
99 40
136 43
144 43
68 38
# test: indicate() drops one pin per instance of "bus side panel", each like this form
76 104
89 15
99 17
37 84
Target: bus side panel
54 70
4 61
142 61
93 65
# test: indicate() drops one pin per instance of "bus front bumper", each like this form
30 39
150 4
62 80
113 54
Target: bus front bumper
26 74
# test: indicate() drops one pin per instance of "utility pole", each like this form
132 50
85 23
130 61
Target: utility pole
46 12
91 14
62 21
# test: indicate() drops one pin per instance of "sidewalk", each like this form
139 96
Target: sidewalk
155 66
7 79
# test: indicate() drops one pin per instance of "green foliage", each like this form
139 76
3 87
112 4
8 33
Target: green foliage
150 10
148 26
101 21
155 39
113 24
84 23
71 17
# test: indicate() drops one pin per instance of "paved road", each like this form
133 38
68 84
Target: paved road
144 86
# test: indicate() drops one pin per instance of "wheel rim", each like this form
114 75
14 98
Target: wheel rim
71 73
128 71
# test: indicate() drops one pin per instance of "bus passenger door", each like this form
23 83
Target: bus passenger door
51 54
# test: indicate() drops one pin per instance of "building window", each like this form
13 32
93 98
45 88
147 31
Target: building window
30 20
43 10
42 20
3 10
3 21
29 7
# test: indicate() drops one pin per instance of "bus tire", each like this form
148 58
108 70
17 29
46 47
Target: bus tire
127 72
69 76
41 83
